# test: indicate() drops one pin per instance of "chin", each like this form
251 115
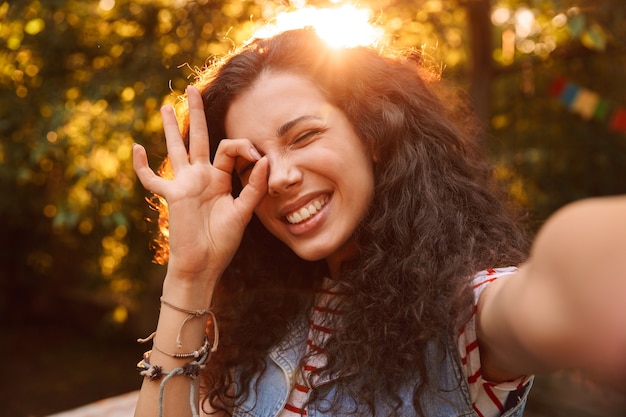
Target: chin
347 250
311 256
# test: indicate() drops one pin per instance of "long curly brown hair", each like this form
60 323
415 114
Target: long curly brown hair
436 219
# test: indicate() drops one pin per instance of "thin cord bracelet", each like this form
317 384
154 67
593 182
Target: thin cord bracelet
190 369
195 354
191 314
195 313
214 345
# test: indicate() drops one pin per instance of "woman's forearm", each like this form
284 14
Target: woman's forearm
567 306
178 333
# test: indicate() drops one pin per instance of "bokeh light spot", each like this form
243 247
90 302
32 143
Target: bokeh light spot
34 26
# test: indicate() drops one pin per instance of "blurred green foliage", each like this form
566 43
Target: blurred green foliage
81 80
545 147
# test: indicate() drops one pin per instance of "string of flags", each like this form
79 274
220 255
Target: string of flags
589 104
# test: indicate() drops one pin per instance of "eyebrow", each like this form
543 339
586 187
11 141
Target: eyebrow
283 129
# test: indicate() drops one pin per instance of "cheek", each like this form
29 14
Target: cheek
260 210
263 213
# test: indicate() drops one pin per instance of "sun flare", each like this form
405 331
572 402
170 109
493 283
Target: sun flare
345 26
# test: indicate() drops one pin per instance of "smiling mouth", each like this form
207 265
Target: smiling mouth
306 212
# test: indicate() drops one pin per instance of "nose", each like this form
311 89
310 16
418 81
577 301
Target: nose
283 175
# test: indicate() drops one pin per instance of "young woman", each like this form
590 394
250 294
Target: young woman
336 225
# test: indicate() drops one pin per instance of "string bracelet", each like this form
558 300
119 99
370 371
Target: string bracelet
191 314
190 369
196 353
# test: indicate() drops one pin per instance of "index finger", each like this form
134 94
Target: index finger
229 149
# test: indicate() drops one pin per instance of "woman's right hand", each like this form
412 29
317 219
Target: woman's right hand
206 223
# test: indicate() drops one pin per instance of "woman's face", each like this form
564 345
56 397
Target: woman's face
320 180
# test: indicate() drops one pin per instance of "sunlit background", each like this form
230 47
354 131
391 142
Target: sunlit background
82 80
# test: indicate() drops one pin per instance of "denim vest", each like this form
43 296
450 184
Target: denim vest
269 391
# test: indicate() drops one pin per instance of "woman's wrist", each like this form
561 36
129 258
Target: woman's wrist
182 329
181 346
190 292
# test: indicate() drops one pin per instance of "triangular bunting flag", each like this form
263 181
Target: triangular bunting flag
618 121
588 104
602 110
557 86
569 93
585 103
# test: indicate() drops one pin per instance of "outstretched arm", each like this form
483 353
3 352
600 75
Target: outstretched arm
206 225
566 307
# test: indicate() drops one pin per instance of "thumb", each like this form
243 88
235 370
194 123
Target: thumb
146 176
256 188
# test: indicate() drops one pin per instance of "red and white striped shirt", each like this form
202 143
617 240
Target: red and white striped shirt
325 312
488 399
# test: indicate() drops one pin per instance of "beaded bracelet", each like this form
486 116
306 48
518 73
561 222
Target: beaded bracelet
190 369
195 354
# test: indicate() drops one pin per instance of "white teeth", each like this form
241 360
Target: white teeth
306 212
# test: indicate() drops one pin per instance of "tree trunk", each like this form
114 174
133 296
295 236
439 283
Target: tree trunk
479 23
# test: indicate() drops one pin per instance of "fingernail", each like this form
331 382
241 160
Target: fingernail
255 154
